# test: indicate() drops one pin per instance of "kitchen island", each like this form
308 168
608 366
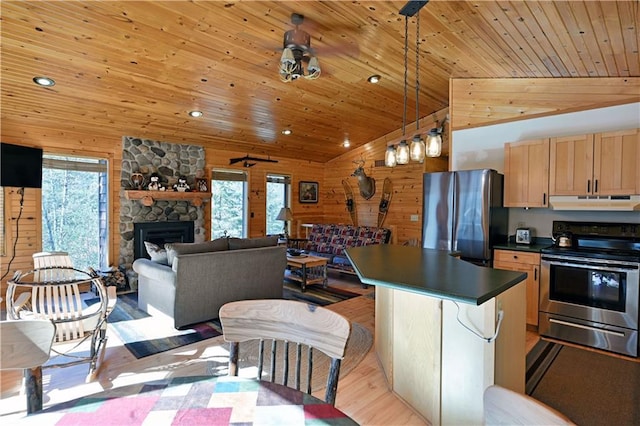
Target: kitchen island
436 318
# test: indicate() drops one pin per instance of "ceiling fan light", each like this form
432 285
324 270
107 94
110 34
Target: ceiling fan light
287 57
434 143
314 65
417 149
390 157
402 152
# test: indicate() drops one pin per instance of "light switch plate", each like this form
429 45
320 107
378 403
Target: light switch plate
414 218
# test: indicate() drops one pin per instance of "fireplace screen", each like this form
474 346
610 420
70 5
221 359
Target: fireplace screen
160 233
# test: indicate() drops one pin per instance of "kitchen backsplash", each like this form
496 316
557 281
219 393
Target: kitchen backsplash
542 219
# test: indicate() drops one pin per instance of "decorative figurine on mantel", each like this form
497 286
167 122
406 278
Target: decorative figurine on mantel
182 185
137 180
154 183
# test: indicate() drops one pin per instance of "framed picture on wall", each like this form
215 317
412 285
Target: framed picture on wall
308 192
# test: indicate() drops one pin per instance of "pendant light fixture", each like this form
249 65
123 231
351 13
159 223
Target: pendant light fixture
400 155
417 144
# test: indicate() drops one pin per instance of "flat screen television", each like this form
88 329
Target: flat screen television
21 166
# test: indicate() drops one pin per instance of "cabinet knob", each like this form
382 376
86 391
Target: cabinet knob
515 257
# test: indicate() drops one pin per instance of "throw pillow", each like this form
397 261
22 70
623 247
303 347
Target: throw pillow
175 249
156 253
245 243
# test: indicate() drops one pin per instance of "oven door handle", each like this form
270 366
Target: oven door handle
599 265
586 327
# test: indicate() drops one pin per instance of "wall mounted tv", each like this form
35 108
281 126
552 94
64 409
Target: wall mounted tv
21 166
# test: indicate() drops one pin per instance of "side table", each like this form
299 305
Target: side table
307 269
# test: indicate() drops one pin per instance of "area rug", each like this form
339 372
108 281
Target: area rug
144 335
316 294
358 345
591 388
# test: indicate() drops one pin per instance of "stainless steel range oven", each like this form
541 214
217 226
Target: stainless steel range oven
590 288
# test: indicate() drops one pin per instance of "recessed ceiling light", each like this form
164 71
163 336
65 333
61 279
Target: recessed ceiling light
374 79
195 113
287 132
44 81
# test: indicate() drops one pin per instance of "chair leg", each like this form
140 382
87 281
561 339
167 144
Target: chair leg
33 385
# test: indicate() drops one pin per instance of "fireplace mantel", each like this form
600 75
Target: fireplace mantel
147 198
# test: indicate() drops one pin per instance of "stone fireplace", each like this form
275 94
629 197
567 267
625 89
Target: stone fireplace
170 161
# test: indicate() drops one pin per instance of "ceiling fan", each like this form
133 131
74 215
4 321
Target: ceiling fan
247 158
296 49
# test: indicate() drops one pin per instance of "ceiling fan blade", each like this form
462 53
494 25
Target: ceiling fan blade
236 160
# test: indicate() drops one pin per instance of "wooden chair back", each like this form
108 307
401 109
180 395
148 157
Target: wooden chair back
51 266
506 407
287 321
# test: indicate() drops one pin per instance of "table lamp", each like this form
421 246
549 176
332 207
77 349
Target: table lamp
285 215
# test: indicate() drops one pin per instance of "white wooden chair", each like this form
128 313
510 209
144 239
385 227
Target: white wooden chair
25 345
287 321
506 407
53 292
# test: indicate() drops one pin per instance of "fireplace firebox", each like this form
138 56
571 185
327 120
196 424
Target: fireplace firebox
160 233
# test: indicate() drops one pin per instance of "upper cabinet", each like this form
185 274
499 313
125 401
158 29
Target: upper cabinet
526 173
597 164
616 162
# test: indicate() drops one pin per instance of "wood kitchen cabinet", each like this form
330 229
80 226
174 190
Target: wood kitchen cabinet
526 173
595 164
528 262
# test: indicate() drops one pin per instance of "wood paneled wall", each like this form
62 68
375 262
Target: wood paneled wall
406 180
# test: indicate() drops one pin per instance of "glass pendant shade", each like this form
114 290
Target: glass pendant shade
403 152
416 150
434 143
390 157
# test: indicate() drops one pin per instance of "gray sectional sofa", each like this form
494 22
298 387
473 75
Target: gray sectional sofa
189 282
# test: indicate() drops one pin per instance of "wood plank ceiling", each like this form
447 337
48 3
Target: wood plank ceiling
136 67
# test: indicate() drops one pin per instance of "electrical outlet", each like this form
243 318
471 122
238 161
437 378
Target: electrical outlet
414 218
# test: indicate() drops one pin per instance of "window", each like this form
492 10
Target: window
278 196
75 209
228 203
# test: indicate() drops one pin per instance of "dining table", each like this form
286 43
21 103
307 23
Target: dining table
194 400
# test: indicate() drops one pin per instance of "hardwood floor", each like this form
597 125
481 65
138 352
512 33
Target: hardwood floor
362 394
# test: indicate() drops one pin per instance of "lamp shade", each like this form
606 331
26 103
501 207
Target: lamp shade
416 149
434 143
402 152
390 156
285 214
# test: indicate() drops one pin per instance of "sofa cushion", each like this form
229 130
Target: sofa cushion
246 243
175 249
157 254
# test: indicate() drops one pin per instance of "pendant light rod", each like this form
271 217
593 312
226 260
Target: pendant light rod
406 66
417 72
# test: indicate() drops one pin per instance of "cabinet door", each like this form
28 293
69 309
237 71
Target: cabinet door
523 262
616 160
526 173
571 165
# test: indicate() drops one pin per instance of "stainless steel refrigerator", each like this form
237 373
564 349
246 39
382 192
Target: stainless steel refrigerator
462 211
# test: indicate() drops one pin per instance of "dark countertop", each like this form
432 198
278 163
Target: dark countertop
430 272
538 244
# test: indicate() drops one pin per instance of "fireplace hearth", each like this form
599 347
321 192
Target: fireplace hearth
160 233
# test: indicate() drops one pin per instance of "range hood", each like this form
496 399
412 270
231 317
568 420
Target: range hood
625 203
